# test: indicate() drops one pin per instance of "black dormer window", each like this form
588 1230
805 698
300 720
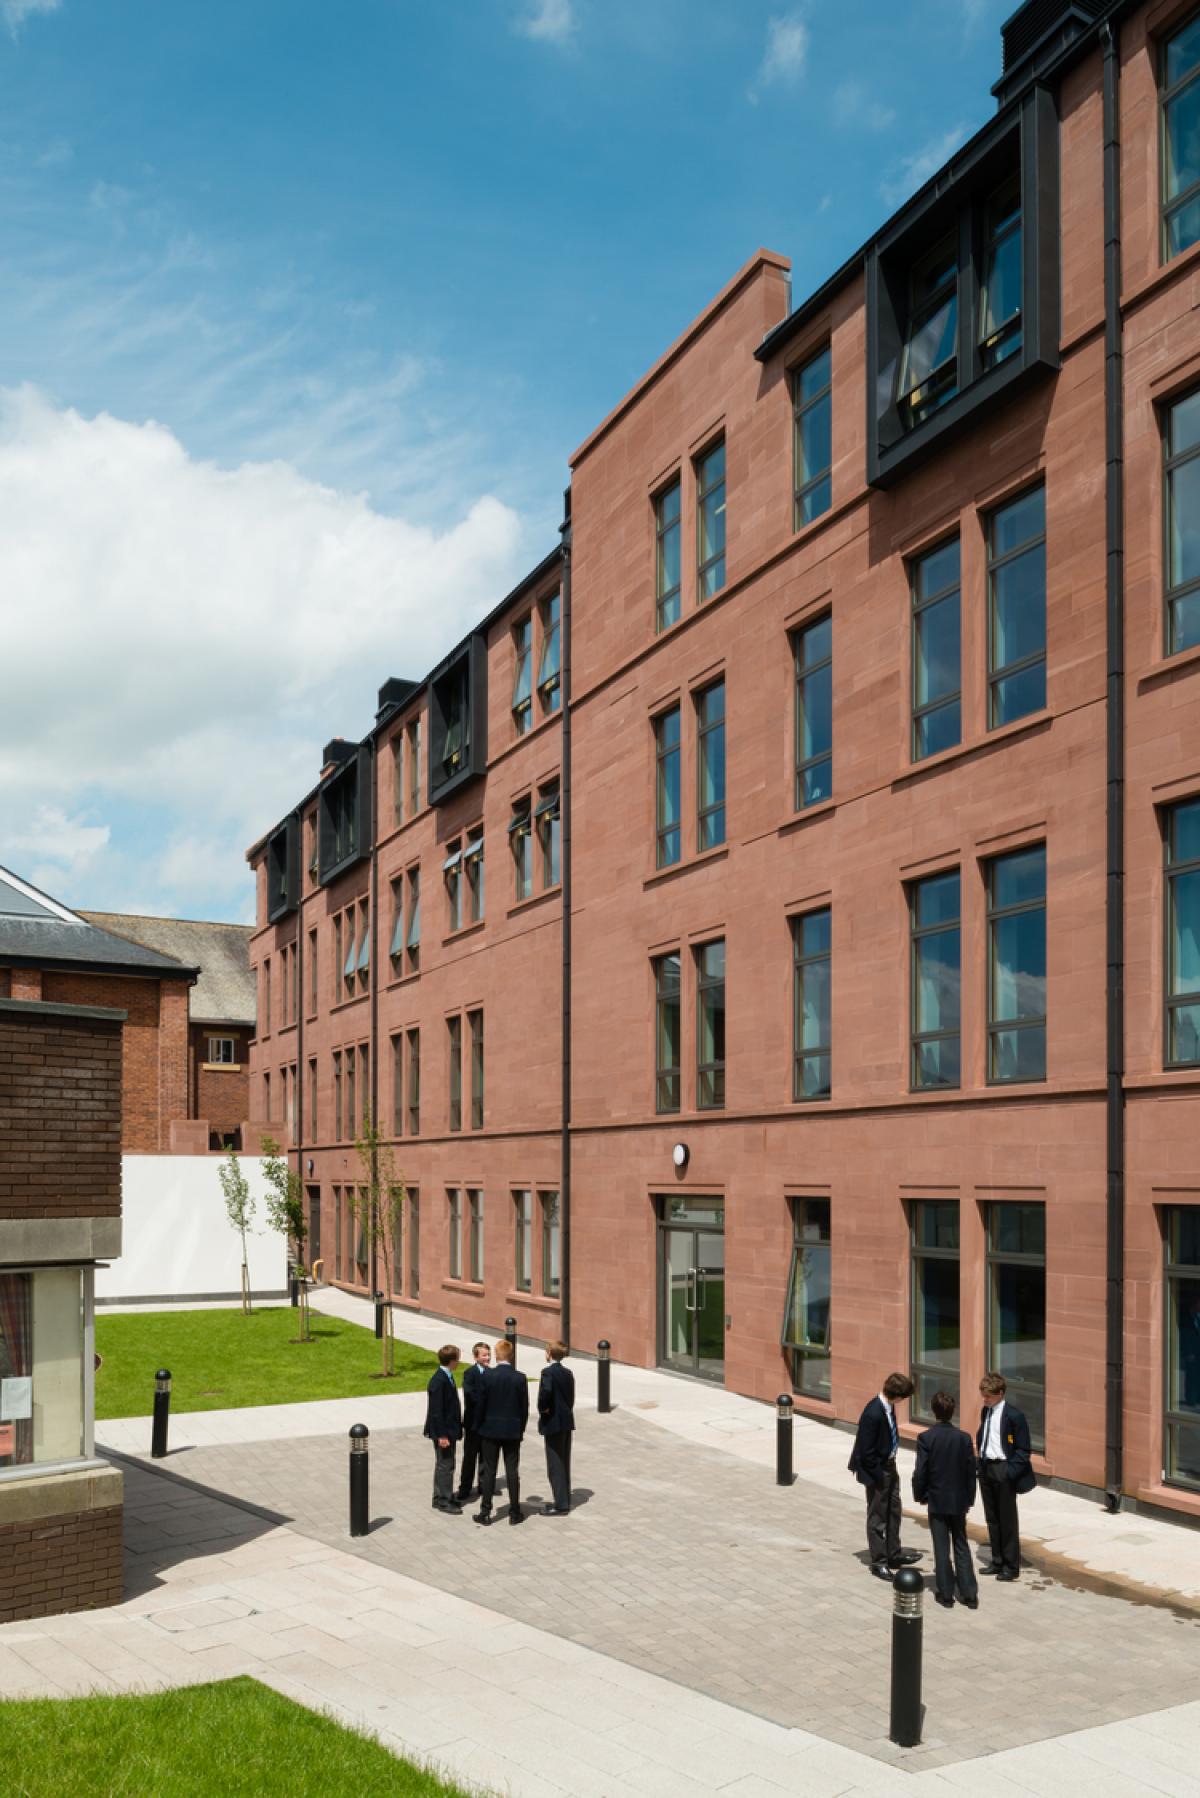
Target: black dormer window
1000 296
456 743
344 817
929 365
458 719
283 869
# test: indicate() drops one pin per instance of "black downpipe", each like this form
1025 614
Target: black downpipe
1114 452
301 1070
564 1196
373 974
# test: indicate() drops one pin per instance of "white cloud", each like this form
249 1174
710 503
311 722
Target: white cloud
853 106
912 172
551 21
17 11
181 639
786 51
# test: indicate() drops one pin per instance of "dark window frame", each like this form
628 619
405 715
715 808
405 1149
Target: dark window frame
807 1356
705 489
664 595
455 1233
710 818
918 1253
520 839
800 962
475 1032
1172 870
549 1202
668 1079
999 1026
919 605
412 1090
1166 96
919 933
1173 594
475 1236
1174 1416
805 672
710 1075
454 1048
522 696
801 407
995 1258
522 1197
549 681
662 754
997 674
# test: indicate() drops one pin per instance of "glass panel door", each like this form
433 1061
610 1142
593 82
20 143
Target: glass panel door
692 1287
709 1250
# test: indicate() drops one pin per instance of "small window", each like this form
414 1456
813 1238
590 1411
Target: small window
397 1045
812 404
520 837
351 961
936 1303
522 700
1183 935
710 723
523 1241
338 1116
551 1244
363 963
222 1049
473 869
398 778
549 666
811 1021
710 1018
666 744
454 1034
414 1083
710 522
1017 966
934 906
548 817
666 566
412 939
806 1321
414 768
313 987
266 996
452 875
350 1065
936 652
813 648
1182 1394
455 1255
929 364
1000 298
1182 503
314 1134
396 943
1017 609
475 1025
666 1033
475 1236
1179 97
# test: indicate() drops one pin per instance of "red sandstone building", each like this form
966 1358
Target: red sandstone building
854 732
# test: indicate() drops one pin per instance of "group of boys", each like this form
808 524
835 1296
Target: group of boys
489 1420
950 1468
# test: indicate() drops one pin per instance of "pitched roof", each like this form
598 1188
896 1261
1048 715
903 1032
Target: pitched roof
36 929
225 992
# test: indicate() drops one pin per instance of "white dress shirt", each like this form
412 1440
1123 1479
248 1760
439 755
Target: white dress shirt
993 1442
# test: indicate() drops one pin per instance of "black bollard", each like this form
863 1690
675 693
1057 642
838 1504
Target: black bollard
162 1410
294 1282
359 1498
510 1330
379 1317
783 1440
603 1376
907 1630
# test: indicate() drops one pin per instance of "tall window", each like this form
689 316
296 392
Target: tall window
666 745
806 1334
337 1096
710 522
1000 298
350 960
666 1032
1016 1323
520 836
475 1236
337 959
475 1025
473 870
936 1309
414 1243
929 363
349 1064
266 985
454 1034
453 876
1017 608
710 722
396 941
710 1019
313 988
812 407
414 767
666 563
398 1085
549 827
811 1025
1182 1458
414 1082
1182 495
523 1241
934 911
522 699
936 652
549 666
412 937
314 1134
1179 92
362 963
1017 966
548 1203
455 1256
398 778
338 1233
813 648
1183 934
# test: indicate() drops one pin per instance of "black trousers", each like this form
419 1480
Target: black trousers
558 1468
949 1534
883 1518
1000 1509
471 1447
443 1473
489 1459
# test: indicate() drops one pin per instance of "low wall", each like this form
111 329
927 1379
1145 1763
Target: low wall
178 1241
60 1544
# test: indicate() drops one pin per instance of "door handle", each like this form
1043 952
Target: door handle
701 1288
690 1300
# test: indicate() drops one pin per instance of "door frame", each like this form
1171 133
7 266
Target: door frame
662 1229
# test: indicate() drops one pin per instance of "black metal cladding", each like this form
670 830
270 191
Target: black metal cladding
1024 143
458 719
344 813
283 869
1036 34
393 694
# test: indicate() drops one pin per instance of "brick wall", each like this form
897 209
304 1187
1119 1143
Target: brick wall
154 1074
60 1116
220 1094
53 1564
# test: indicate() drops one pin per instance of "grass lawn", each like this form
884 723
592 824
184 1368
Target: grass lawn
233 1738
222 1359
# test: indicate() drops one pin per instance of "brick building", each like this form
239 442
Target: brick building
60 1213
855 728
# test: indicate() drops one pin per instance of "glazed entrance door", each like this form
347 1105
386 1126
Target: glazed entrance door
692 1287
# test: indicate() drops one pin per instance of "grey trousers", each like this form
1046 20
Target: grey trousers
950 1540
443 1473
558 1468
883 1519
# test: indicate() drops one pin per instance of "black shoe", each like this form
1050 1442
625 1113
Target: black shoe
992 1567
450 1505
1006 1575
905 1558
517 1516
880 1570
484 1517
461 1498
972 1604
947 1604
556 1511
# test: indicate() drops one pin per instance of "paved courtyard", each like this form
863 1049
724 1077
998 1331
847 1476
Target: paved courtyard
688 1563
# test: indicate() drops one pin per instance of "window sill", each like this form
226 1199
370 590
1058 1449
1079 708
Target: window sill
1036 721
475 1287
1182 662
804 1405
1173 1076
821 809
1181 265
524 905
532 1298
222 1067
402 980
285 1029
345 1004
472 929
684 867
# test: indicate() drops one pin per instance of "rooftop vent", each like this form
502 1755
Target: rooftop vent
335 752
393 694
1034 36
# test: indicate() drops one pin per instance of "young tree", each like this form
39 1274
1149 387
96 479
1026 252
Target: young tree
285 1213
378 1210
239 1204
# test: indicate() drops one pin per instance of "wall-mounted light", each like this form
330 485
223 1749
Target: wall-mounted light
679 1155
310 1164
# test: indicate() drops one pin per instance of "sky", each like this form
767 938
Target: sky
304 305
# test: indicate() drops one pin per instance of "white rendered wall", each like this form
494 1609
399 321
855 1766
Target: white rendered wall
178 1241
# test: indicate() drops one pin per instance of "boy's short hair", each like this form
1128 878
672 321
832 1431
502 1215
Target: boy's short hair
897 1385
476 1346
448 1354
503 1349
942 1406
557 1350
993 1383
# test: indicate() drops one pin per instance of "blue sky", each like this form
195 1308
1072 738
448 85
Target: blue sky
304 307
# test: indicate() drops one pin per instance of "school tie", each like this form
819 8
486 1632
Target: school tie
895 1431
